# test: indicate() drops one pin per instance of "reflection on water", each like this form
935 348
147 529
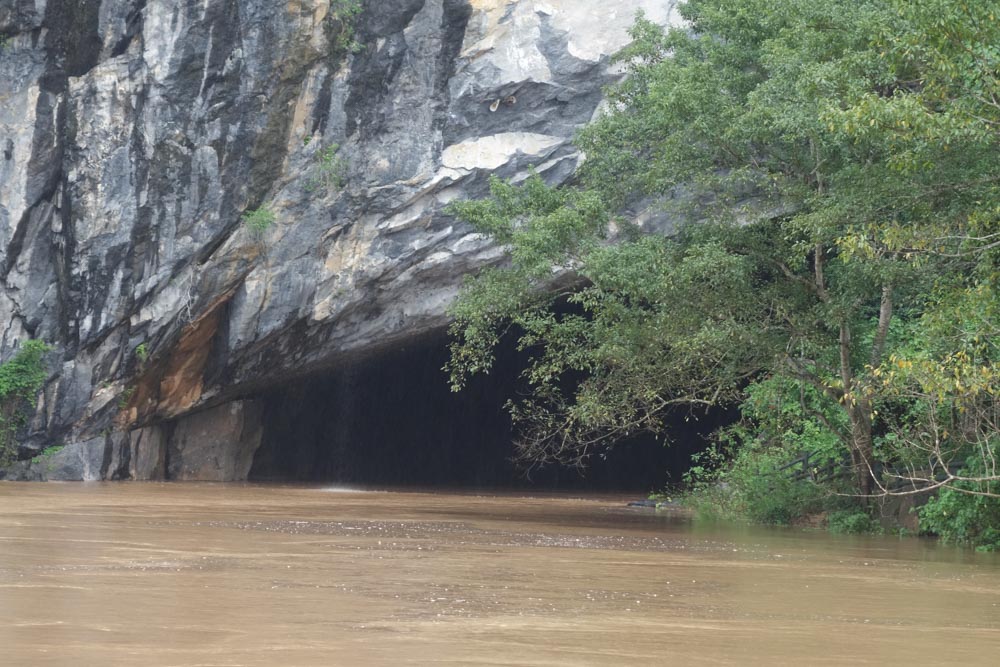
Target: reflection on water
172 574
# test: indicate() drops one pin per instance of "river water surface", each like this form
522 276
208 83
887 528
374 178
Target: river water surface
176 574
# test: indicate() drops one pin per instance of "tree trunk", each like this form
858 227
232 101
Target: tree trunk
882 332
863 447
859 412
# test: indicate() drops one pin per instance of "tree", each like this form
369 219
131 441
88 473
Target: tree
819 228
941 127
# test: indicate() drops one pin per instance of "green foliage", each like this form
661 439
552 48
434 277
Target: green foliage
660 323
340 25
24 374
795 417
750 473
940 392
47 453
852 522
745 484
21 378
142 353
832 170
125 397
960 518
331 170
259 220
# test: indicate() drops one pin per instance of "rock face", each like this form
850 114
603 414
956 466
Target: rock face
136 134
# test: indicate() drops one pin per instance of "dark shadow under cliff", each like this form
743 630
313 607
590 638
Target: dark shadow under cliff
390 419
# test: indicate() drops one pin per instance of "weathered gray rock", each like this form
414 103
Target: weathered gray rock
134 134
215 445
148 453
79 462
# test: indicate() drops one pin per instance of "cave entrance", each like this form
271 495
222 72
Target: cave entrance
390 419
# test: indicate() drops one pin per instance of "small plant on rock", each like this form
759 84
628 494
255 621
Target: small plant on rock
259 220
332 167
331 170
125 397
47 453
341 25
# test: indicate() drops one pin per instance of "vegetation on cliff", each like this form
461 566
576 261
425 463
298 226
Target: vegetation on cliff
835 170
340 27
21 378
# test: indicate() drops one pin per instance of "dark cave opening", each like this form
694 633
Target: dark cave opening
390 419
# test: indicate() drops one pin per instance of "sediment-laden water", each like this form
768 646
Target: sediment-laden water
173 574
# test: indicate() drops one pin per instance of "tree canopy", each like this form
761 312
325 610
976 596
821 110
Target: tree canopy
832 171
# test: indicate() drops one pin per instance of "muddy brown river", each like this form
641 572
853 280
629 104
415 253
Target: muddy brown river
174 574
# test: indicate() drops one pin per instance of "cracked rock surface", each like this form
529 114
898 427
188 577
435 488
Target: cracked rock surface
136 134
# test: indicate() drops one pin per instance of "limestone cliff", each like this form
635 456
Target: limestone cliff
136 134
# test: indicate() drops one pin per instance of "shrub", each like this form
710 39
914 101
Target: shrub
340 25
125 397
746 475
331 170
332 167
47 453
959 517
751 488
259 220
20 380
852 522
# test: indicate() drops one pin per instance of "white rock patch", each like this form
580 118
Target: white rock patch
497 150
